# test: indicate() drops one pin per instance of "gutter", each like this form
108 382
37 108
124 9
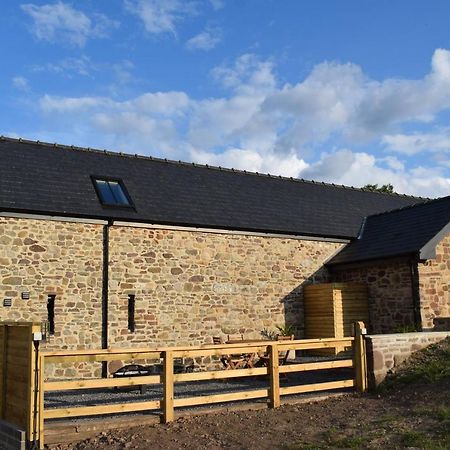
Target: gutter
415 293
105 293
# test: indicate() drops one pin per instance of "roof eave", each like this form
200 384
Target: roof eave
372 261
193 226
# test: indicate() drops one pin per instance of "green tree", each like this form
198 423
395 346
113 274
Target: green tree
386 188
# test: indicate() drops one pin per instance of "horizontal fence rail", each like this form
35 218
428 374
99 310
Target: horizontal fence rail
168 402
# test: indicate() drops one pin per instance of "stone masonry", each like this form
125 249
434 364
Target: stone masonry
434 285
191 286
390 293
61 258
188 286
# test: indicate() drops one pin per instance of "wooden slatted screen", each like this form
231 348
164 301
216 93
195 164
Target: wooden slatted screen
331 309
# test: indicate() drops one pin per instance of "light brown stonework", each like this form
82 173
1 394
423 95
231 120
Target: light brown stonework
191 286
47 257
390 293
62 258
434 285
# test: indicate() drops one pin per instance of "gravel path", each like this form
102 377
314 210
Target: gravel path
91 397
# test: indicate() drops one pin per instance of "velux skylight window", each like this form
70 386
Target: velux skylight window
111 192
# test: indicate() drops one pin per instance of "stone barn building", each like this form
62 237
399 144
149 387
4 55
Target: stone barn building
120 250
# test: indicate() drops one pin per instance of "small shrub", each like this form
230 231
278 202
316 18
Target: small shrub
283 330
286 330
268 334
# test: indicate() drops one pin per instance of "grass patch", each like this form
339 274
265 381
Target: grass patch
440 413
334 439
332 442
425 441
429 365
350 442
443 414
307 446
383 420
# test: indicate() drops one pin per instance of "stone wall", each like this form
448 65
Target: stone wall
61 258
188 286
434 285
390 293
386 352
191 286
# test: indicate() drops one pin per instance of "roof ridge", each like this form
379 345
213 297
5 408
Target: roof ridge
204 166
415 205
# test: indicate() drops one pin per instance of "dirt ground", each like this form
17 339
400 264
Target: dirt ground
413 417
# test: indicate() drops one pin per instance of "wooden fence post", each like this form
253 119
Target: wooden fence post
274 375
3 371
168 387
41 400
359 356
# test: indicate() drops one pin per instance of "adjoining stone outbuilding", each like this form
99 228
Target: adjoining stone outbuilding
120 250
404 258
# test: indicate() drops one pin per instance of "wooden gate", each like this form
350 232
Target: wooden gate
19 376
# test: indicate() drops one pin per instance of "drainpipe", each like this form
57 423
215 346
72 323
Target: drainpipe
415 292
105 287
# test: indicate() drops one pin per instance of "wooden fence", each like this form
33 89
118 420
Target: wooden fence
167 404
19 377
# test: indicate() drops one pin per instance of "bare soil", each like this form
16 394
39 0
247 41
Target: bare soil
412 413
408 418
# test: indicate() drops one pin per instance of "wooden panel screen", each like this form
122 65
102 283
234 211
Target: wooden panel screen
332 308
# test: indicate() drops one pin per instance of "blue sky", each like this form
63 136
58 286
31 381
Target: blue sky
349 92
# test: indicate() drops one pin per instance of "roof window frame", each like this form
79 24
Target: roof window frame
107 179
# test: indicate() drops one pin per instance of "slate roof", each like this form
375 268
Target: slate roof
408 231
54 179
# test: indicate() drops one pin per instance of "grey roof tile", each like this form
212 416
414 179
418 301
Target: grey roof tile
397 233
55 179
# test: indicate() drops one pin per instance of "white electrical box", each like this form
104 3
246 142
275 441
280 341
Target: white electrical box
37 336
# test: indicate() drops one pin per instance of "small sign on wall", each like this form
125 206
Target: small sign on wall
7 302
25 296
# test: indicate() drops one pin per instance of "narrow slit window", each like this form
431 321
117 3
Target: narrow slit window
51 314
111 192
131 305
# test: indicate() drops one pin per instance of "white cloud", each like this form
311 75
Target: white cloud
411 144
161 16
120 72
340 98
131 125
68 66
20 83
249 159
248 74
52 104
206 40
217 4
62 22
259 124
158 103
359 168
392 162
